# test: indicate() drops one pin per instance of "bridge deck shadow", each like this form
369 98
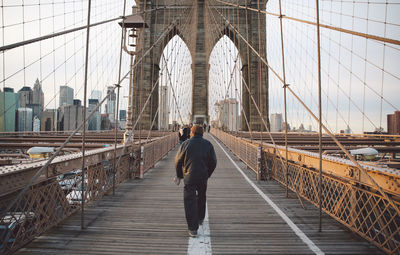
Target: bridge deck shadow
147 217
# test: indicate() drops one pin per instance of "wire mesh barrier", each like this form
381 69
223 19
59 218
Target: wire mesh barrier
155 151
357 206
245 151
61 191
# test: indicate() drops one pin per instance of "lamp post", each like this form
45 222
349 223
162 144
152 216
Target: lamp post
132 26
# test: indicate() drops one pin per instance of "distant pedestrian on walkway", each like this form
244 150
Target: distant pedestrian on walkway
183 134
195 162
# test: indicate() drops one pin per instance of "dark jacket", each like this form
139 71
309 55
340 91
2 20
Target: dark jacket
184 135
195 160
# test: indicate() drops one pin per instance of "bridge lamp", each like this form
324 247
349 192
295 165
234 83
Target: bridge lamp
132 26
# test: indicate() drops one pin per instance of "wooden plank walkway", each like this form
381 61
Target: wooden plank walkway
147 217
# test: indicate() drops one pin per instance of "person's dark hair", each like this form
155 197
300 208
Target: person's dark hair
197 130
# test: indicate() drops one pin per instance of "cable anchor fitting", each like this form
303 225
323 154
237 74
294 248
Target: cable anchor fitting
285 85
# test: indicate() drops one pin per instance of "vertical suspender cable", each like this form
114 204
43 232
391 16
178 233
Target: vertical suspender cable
284 99
260 66
118 85
365 73
248 73
26 125
55 114
319 120
84 117
383 73
4 67
237 43
252 97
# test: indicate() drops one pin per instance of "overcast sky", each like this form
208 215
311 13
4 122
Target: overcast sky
360 78
60 61
356 72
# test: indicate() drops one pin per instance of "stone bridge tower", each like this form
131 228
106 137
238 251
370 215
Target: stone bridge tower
200 24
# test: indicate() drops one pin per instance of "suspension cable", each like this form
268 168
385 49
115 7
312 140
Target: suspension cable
365 35
57 152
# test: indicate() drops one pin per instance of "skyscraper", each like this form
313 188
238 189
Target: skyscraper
70 116
94 121
96 94
163 116
122 114
228 114
25 97
24 119
393 123
122 119
110 106
37 99
66 95
276 122
8 108
47 121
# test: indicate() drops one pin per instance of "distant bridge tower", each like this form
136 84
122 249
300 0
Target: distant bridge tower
195 31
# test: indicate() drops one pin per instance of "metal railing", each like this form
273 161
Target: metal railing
357 206
59 192
155 151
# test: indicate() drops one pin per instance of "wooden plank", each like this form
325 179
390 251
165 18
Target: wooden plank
147 217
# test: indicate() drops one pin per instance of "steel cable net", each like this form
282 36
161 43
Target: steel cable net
370 207
175 84
84 165
225 82
358 75
359 46
51 63
350 64
60 61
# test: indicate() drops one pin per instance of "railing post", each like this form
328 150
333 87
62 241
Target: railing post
353 206
259 163
154 157
141 162
131 164
247 158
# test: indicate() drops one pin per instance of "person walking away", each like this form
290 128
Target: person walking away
194 163
186 131
183 134
189 130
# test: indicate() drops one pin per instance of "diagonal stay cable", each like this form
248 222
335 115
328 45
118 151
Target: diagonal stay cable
365 35
41 38
166 31
172 88
166 66
351 158
152 123
168 71
253 100
40 171
220 34
263 119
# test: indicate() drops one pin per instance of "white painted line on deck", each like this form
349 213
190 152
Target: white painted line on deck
201 245
293 226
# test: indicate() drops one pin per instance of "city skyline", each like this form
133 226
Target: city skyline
23 110
364 93
96 95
